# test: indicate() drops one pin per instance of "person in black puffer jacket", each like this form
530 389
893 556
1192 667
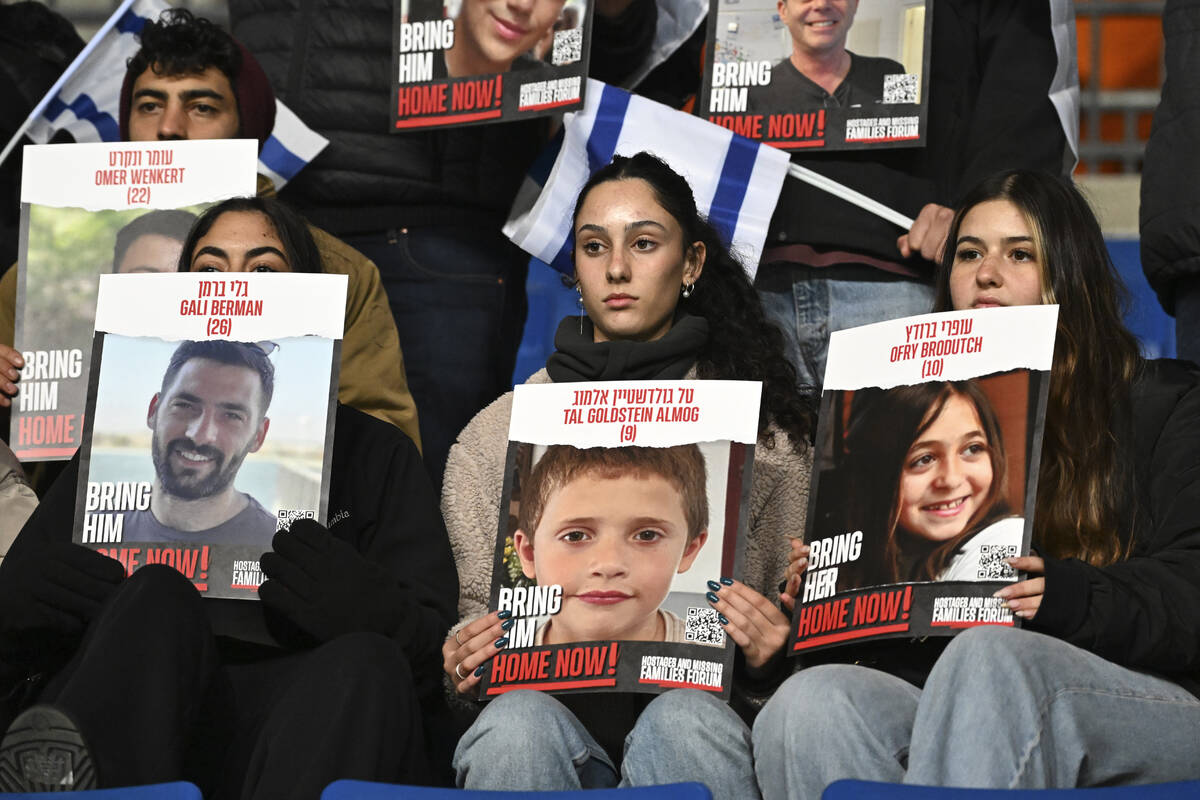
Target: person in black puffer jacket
1170 229
426 206
36 45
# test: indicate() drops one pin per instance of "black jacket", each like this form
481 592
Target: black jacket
1144 612
1170 210
36 45
380 501
992 65
331 62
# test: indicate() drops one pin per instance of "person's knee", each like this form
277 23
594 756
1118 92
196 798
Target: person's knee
822 689
983 643
687 721
987 652
161 580
523 716
991 662
516 727
816 703
159 591
673 713
365 661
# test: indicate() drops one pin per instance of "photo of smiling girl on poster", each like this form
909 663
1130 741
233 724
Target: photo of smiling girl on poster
934 493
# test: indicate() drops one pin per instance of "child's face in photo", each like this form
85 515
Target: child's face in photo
614 545
947 474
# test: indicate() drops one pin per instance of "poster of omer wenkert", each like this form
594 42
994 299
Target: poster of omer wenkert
471 62
209 419
622 502
925 474
88 210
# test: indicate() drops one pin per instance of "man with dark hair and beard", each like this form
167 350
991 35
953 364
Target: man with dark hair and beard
210 413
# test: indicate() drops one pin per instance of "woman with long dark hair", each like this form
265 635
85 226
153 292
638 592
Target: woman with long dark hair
1099 687
930 478
257 234
663 298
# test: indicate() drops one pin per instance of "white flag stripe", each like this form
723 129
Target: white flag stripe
100 54
291 146
743 176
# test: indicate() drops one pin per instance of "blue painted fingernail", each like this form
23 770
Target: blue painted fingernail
507 624
716 587
505 614
723 618
503 640
712 598
727 581
482 668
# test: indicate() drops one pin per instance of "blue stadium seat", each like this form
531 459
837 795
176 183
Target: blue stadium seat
362 790
549 301
180 790
1145 318
870 790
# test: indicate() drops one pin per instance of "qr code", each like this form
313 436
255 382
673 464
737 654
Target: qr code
703 627
900 88
286 516
991 562
568 47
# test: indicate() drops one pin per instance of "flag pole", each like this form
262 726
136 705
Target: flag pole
62 79
849 195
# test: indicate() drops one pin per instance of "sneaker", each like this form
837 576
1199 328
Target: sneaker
43 751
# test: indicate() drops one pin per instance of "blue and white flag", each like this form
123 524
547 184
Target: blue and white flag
85 100
736 181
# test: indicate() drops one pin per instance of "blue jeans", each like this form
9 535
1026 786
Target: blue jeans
528 741
808 303
1002 709
458 298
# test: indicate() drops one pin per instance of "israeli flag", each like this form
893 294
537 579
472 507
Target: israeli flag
736 182
86 99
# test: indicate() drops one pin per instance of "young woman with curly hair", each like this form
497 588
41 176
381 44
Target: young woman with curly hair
664 299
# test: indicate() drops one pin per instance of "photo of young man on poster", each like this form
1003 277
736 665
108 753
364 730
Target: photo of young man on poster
210 413
494 36
458 62
152 242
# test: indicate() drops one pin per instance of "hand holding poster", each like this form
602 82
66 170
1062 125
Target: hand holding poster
622 501
465 62
837 76
209 420
925 475
88 209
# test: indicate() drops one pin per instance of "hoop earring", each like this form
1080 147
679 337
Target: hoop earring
688 288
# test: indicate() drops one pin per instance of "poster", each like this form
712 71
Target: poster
622 500
925 475
468 62
843 75
209 420
86 210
